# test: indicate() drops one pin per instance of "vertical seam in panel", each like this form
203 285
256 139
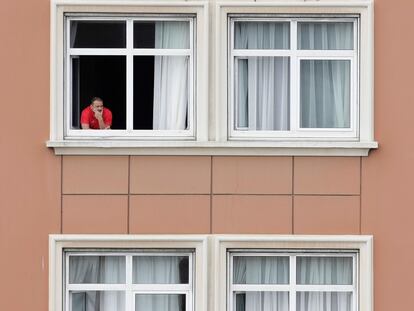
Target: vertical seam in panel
293 194
61 194
129 192
360 195
211 194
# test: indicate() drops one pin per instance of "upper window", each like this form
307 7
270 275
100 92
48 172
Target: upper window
130 76
293 77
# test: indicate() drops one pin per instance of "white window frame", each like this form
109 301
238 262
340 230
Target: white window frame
61 247
129 52
295 56
291 288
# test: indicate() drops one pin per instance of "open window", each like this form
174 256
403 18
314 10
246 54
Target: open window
141 68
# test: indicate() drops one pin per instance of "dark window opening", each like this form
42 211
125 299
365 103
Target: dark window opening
101 76
144 35
98 34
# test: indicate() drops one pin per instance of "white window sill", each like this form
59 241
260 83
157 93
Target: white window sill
232 148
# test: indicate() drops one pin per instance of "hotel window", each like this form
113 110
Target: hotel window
305 280
129 280
293 77
140 66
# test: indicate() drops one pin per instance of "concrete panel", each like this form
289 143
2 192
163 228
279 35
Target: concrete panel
252 175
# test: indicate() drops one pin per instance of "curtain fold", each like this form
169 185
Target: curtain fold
170 77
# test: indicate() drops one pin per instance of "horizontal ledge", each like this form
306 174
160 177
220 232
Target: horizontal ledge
233 148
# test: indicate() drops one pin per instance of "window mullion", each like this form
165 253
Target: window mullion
294 79
292 282
130 77
128 295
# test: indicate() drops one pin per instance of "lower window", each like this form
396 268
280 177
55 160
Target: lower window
292 281
130 280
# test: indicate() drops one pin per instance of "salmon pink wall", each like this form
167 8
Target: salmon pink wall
41 193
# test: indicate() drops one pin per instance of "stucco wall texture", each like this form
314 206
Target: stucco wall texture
41 193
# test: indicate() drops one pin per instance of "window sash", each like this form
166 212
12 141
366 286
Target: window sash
129 288
129 52
295 56
292 287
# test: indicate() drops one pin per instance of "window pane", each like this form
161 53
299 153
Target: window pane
311 301
325 93
260 270
97 300
160 269
326 36
261 35
103 77
161 35
96 269
324 270
97 34
159 302
161 92
262 94
262 301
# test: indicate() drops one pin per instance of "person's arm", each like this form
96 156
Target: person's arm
85 126
108 119
99 117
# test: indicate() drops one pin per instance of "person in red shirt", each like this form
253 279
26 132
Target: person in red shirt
96 116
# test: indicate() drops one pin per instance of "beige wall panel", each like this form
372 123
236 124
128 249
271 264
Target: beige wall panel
326 214
170 175
30 173
252 175
387 174
252 214
326 175
95 175
95 214
169 214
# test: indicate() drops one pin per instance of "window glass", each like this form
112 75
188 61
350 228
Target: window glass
325 93
262 93
324 270
275 301
103 77
162 34
325 36
261 35
332 301
261 270
160 269
160 302
96 269
97 300
98 34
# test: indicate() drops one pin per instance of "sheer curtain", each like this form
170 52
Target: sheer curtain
170 77
262 270
97 270
263 82
328 270
325 84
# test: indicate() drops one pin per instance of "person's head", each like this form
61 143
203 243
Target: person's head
97 104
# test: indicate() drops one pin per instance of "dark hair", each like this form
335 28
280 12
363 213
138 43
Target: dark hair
96 99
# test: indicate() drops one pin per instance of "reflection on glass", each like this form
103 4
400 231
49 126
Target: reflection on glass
97 34
325 36
315 301
261 35
324 270
160 270
262 301
97 301
262 93
260 270
160 302
162 34
325 93
96 269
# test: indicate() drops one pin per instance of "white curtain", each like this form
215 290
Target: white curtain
262 270
170 77
325 84
160 270
324 270
97 270
263 82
